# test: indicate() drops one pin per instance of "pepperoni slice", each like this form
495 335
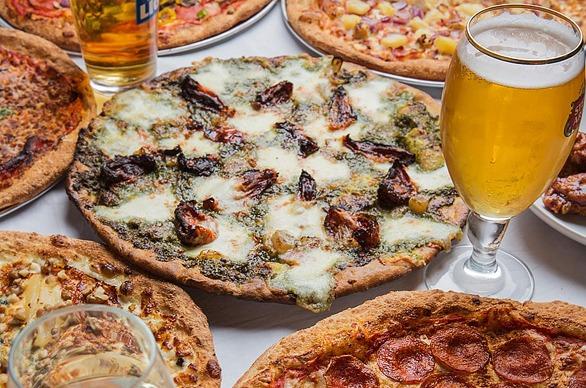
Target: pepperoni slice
578 380
460 348
349 372
406 359
523 360
445 381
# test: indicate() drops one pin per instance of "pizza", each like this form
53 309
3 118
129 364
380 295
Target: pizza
289 179
432 339
39 274
413 38
44 100
179 22
567 193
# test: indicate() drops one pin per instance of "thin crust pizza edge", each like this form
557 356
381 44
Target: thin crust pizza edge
165 296
52 164
330 336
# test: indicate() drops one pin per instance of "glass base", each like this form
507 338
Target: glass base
451 272
109 90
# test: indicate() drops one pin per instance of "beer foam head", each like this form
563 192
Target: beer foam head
524 36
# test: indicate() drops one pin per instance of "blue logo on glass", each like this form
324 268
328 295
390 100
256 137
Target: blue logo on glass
145 9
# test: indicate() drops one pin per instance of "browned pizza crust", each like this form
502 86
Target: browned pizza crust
344 332
190 325
184 35
348 280
53 163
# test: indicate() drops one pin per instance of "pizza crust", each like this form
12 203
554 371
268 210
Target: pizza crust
52 164
332 336
192 326
348 280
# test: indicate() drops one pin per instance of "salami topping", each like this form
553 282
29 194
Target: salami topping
578 380
461 348
445 381
406 359
349 372
523 360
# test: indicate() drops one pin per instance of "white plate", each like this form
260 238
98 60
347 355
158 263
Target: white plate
572 226
315 50
200 44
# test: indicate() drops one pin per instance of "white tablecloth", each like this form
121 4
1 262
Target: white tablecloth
242 329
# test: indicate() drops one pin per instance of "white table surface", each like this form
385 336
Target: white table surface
243 329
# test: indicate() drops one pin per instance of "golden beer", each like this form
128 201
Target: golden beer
508 128
118 41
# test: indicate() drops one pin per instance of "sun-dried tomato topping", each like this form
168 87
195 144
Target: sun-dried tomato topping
357 229
460 348
254 182
340 112
396 188
306 145
445 381
379 152
406 359
201 166
11 167
306 187
223 134
578 379
202 97
127 168
349 372
277 94
523 359
194 227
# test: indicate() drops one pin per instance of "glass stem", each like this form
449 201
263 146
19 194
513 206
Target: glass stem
486 236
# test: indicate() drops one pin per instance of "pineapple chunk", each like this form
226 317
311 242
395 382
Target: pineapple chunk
469 9
386 9
416 23
445 45
394 41
433 16
350 21
357 7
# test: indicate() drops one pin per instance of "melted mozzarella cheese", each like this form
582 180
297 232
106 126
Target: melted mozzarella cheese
409 228
311 279
430 181
298 218
253 122
194 145
318 130
308 86
233 242
214 76
143 109
324 170
113 140
222 190
150 207
368 98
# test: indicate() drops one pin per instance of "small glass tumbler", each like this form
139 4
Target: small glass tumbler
87 346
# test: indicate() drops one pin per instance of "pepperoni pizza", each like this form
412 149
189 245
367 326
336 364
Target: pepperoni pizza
44 100
432 339
179 22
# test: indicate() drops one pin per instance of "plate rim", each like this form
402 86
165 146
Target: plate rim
555 222
6 211
310 47
209 41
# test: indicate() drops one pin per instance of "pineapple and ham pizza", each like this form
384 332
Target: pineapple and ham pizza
412 38
180 22
289 179
41 273
432 339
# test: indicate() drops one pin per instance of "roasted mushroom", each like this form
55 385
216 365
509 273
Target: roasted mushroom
277 94
396 188
354 229
306 187
194 227
340 113
254 182
127 168
379 152
202 97
201 166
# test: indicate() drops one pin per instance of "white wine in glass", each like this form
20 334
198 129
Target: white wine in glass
512 105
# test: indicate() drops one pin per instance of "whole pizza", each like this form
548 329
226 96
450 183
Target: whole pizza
44 100
39 274
432 339
290 179
180 22
413 38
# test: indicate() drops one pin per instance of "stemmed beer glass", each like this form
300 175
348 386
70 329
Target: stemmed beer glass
512 105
